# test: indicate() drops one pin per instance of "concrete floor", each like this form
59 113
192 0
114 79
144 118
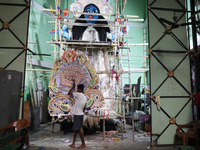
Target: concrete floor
42 137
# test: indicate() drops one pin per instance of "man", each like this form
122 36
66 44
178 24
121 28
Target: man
78 113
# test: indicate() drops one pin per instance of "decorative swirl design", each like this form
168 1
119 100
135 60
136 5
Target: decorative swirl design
72 67
103 5
60 105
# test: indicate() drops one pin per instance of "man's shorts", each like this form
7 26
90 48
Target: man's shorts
78 122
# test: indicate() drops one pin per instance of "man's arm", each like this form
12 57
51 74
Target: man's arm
72 89
84 108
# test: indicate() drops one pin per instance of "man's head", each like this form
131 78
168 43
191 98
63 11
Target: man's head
80 88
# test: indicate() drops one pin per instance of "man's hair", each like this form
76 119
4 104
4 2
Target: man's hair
80 86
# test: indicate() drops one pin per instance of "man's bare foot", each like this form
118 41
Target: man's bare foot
72 145
81 147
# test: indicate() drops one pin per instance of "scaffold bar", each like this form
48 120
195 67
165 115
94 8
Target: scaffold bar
80 43
109 20
134 55
137 44
38 70
122 47
86 24
97 14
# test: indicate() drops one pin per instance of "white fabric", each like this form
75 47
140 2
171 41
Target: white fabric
80 101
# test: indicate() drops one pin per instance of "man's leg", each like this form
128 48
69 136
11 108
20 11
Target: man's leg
82 139
74 140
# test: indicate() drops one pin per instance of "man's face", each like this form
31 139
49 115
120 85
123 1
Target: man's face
79 90
91 9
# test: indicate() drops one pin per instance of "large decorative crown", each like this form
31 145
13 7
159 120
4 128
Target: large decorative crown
104 7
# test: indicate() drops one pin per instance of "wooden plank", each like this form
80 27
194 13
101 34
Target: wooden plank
26 112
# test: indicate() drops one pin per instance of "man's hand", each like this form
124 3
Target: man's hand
84 108
73 86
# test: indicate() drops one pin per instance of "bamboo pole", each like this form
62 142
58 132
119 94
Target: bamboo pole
54 52
121 105
137 44
52 124
34 93
85 24
98 72
109 20
96 43
81 43
136 98
45 75
84 13
115 50
32 102
55 46
133 128
91 47
136 55
131 93
38 70
124 5
145 75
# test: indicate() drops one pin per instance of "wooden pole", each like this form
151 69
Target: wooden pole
52 124
122 127
104 129
133 128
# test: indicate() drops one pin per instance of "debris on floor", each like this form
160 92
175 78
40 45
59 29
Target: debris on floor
67 141
114 139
